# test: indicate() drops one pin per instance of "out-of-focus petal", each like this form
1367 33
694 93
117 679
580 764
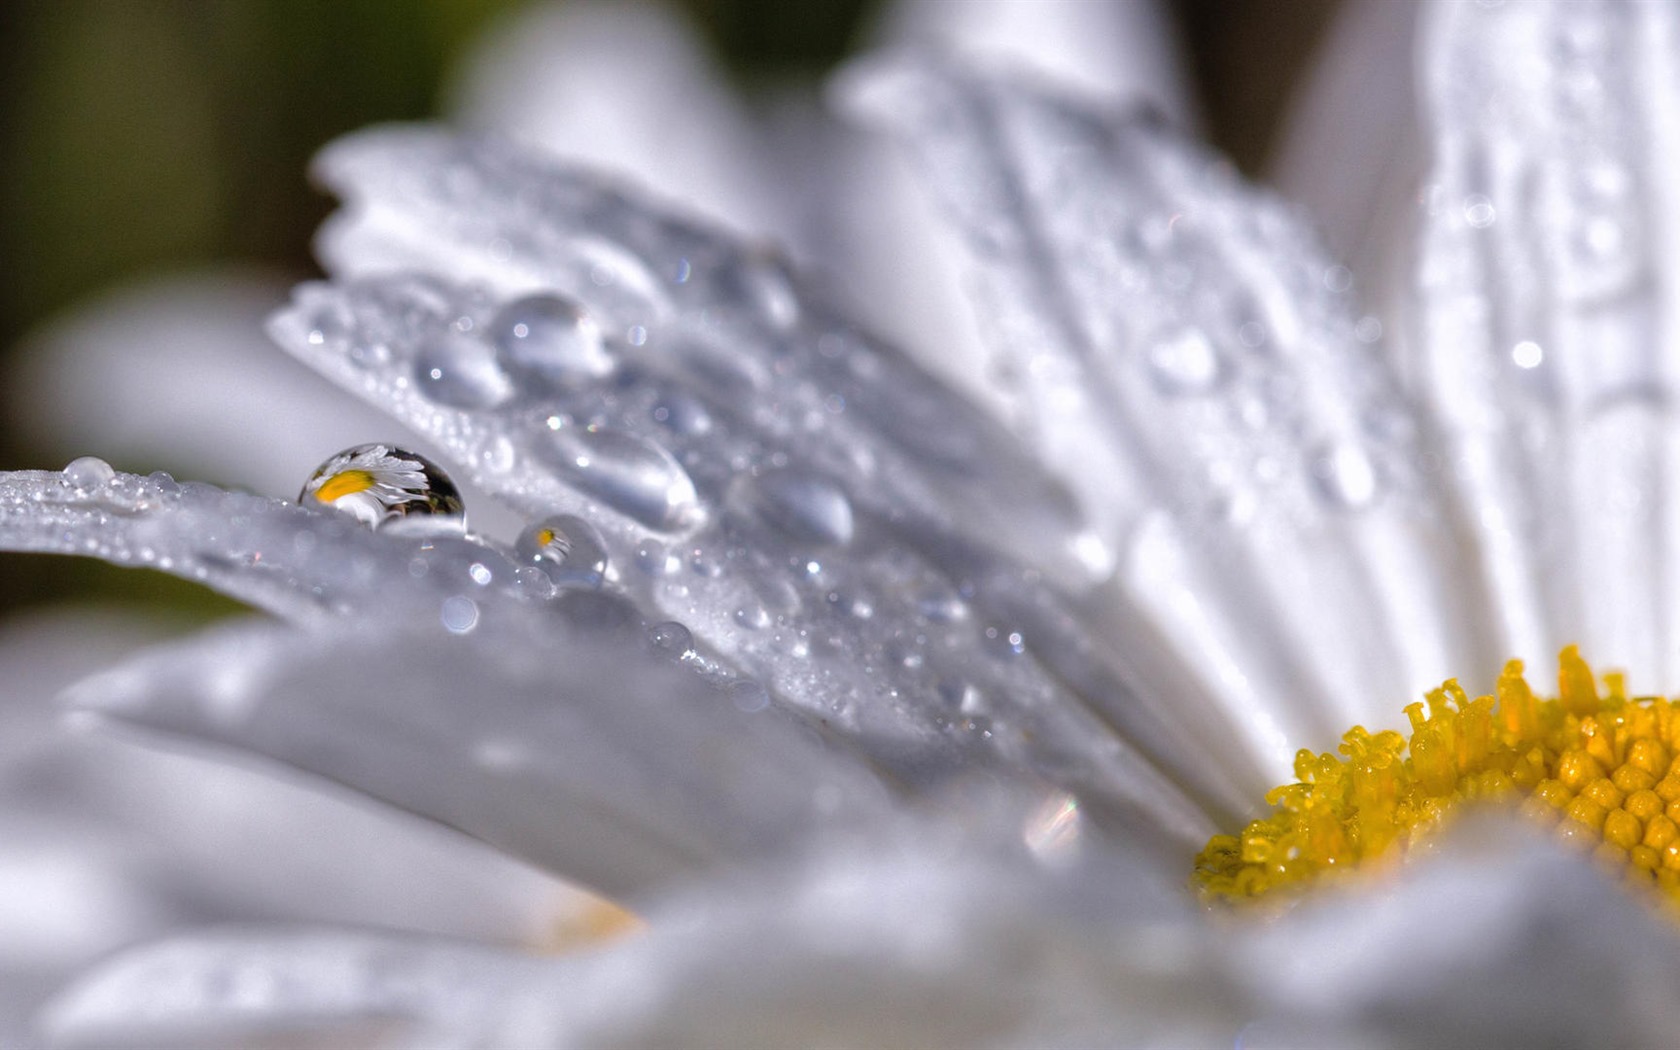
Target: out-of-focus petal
306 988
624 87
103 843
1353 151
1124 51
1547 313
931 943
1497 935
562 739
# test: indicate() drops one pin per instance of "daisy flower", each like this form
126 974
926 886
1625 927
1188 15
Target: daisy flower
900 724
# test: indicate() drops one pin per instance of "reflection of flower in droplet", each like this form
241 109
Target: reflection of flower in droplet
385 487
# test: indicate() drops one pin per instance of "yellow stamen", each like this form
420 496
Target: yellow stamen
344 483
1601 767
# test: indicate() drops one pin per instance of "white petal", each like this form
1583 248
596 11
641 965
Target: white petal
904 267
560 741
291 561
1496 935
624 87
815 508
925 945
1546 301
1196 371
293 988
1120 51
1353 152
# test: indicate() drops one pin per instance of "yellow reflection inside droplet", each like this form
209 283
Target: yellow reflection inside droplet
344 483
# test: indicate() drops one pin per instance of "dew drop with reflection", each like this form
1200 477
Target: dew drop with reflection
388 488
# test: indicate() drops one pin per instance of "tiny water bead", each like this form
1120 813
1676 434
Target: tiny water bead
388 488
567 548
1603 768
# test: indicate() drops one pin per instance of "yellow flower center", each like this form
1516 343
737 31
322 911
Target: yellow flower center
1601 768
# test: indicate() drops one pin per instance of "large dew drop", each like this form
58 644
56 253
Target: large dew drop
388 488
89 472
567 548
808 508
629 473
550 340
456 370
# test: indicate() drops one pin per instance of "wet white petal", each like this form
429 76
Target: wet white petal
815 508
287 560
1546 309
1195 367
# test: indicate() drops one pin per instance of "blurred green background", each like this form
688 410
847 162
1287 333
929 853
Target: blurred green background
145 136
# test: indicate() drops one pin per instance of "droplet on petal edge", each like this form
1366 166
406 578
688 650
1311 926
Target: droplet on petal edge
567 548
1600 767
386 487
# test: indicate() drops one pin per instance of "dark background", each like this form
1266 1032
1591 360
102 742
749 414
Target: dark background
155 135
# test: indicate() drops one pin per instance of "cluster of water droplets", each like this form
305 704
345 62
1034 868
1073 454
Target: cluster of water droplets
782 494
1201 371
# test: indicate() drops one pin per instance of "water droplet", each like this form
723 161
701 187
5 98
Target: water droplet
455 369
762 282
480 574
1478 211
942 607
89 472
499 456
533 581
748 696
567 548
550 339
752 617
1368 329
1184 362
1527 354
460 614
629 473
1346 476
807 507
386 487
683 414
673 638
704 563
652 559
